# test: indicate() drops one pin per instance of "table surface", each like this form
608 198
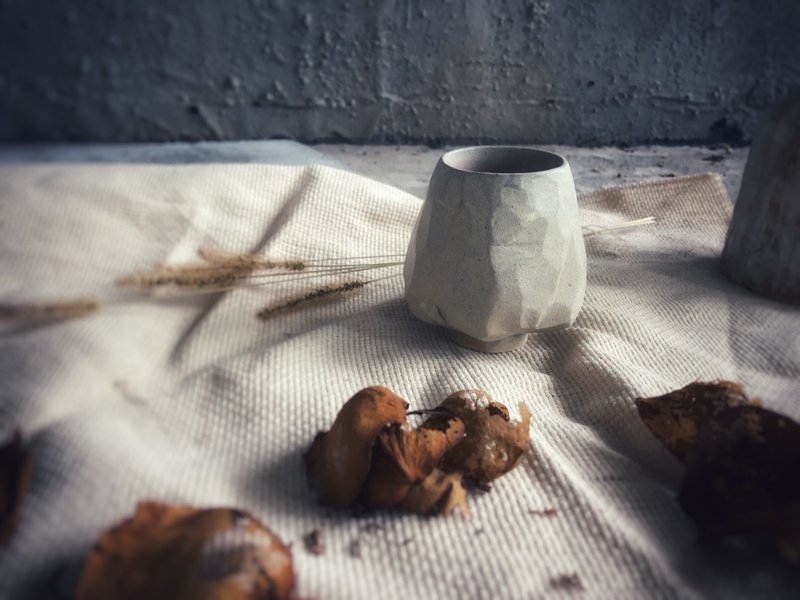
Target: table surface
408 167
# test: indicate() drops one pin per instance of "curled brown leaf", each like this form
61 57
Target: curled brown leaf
371 455
404 458
339 460
180 552
676 417
494 442
439 493
741 477
312 541
741 462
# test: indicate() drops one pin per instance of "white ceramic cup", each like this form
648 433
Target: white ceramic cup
497 251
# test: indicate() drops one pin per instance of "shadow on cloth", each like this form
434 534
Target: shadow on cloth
280 487
55 579
592 392
749 315
282 218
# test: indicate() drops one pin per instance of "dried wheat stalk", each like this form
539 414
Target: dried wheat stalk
247 261
220 270
49 311
315 294
590 230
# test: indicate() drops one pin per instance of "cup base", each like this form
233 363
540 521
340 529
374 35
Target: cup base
505 345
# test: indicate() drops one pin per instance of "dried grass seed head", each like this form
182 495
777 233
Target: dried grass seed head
218 270
316 294
57 310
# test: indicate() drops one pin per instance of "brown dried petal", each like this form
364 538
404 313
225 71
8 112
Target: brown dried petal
493 444
746 458
403 458
438 494
15 476
182 553
339 460
313 542
676 417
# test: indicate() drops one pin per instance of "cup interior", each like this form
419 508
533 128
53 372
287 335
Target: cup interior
501 159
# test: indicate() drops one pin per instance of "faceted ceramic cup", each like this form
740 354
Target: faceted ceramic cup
497 251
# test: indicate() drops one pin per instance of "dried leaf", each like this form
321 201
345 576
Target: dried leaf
15 476
493 444
404 458
438 494
312 541
371 455
339 460
741 460
180 552
744 460
676 417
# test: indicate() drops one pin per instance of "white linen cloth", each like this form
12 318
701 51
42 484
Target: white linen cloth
196 401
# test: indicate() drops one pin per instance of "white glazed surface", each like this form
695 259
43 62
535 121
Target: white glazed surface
496 255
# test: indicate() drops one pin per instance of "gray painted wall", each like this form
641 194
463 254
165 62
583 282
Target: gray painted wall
527 71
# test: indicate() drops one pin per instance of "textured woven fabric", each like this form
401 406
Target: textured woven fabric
196 401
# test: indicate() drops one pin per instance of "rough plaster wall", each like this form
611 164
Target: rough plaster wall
535 71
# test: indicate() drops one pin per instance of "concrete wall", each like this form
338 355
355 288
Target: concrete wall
528 71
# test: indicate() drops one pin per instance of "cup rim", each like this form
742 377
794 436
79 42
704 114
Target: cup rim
470 158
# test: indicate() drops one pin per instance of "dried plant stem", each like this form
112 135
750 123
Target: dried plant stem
220 269
313 295
224 271
268 279
49 311
322 271
590 230
351 258
183 277
392 276
246 261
